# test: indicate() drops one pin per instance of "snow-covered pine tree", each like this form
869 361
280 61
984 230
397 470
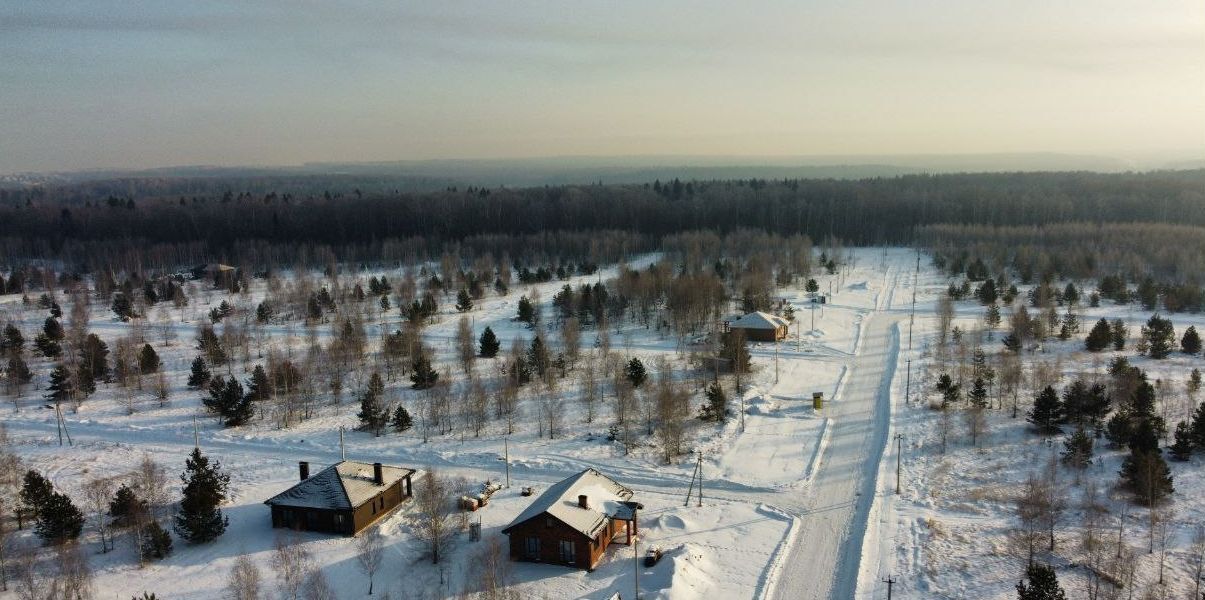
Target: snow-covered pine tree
401 419
59 520
1182 448
1047 412
199 518
373 415
488 344
424 376
1190 343
1043 584
464 302
199 376
148 360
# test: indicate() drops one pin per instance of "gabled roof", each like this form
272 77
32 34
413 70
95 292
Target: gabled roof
759 320
343 485
605 498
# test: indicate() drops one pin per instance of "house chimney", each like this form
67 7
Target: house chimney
304 468
378 474
582 501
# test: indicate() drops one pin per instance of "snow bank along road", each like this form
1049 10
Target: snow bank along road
823 563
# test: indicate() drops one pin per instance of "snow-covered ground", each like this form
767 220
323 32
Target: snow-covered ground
799 503
758 488
947 534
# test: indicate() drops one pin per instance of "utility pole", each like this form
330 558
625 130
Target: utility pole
908 385
899 445
636 561
506 458
58 422
890 582
915 281
700 467
775 358
342 447
196 434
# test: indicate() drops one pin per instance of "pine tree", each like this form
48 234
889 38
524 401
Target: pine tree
1012 343
1119 333
488 344
156 541
35 492
1182 448
1047 412
1197 429
1159 336
1099 337
18 370
401 419
199 518
1077 449
464 302
538 356
53 329
62 385
125 506
59 520
1191 342
1144 474
978 394
1043 584
258 387
424 376
122 307
987 293
148 360
200 373
527 310
94 361
47 347
635 372
227 400
12 339
373 413
716 408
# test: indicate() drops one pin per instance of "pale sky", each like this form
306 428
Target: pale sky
135 83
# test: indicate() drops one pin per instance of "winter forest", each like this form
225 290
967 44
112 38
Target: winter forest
988 385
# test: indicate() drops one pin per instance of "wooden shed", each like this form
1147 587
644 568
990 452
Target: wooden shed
343 498
574 521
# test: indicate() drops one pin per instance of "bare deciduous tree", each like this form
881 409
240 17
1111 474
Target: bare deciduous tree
97 494
370 549
245 580
293 564
433 504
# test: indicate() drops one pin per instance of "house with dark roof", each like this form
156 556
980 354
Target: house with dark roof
574 521
760 327
343 498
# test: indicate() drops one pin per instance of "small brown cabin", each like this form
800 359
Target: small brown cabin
760 327
343 498
574 521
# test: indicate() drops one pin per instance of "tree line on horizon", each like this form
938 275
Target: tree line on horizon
146 226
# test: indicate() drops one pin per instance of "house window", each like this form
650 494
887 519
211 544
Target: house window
339 520
568 552
531 548
286 518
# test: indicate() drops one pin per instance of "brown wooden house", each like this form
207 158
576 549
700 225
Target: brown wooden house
760 327
574 521
343 498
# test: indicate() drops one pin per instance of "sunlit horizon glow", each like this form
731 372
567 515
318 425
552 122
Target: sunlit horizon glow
142 84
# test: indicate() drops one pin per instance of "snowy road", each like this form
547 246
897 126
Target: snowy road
824 561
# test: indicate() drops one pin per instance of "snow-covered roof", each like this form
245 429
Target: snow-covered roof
604 497
759 320
343 485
